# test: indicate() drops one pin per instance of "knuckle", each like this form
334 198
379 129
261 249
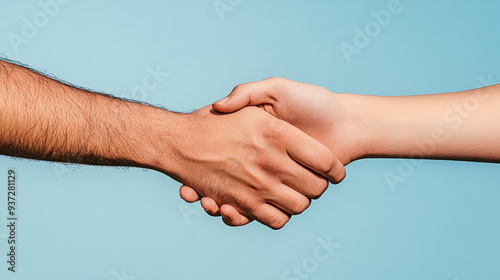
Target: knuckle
276 80
269 165
247 203
280 85
341 175
279 222
238 87
318 189
275 130
300 205
326 163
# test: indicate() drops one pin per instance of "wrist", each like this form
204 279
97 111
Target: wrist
388 126
153 138
354 127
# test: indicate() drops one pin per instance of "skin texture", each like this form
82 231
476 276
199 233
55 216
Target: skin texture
458 126
255 163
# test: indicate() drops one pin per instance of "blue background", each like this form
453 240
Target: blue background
84 222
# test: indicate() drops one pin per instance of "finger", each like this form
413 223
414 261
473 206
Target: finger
210 206
303 180
288 200
232 217
311 153
254 93
188 194
270 216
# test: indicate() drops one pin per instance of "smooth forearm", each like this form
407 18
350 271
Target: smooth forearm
459 125
45 119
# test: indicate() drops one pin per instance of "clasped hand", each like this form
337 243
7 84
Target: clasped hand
283 149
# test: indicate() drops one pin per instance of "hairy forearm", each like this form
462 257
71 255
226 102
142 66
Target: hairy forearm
41 118
460 125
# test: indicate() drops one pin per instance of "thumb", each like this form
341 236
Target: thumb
231 103
254 93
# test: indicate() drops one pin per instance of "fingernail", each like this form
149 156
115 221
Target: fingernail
222 101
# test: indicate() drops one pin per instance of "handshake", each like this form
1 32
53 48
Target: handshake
271 146
272 154
262 153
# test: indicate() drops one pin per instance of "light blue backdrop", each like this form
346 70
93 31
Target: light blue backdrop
79 222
